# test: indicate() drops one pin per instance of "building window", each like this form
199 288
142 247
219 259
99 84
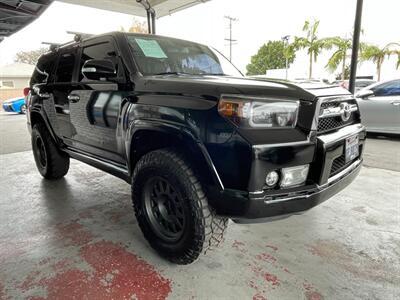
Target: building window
7 83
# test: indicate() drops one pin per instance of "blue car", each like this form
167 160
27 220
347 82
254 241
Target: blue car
15 105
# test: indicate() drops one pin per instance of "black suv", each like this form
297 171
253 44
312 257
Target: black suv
198 142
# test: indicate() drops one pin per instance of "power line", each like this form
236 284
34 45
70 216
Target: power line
230 40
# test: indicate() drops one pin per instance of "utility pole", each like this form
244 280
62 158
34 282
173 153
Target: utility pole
285 41
356 42
230 40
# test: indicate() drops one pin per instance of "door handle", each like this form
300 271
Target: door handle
395 103
73 98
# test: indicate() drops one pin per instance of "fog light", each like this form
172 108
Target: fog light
272 178
294 175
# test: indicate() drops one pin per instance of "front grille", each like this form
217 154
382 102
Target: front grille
338 165
332 123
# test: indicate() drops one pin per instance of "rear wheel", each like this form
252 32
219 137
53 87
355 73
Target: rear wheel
172 208
51 162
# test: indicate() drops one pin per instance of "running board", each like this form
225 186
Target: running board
112 168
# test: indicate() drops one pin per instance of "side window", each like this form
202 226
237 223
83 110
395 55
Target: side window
391 88
99 51
43 72
65 66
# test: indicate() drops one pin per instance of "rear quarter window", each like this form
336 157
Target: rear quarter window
66 64
43 72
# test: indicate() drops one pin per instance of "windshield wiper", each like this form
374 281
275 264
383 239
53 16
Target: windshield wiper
183 73
172 73
216 74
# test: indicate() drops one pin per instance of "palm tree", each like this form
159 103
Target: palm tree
311 42
377 55
340 55
342 45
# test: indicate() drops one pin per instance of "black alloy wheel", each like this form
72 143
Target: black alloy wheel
164 208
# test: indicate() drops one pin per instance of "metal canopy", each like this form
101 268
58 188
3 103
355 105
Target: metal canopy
133 7
16 14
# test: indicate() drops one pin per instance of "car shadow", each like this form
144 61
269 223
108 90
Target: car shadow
383 136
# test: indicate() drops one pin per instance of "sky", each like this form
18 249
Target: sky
258 22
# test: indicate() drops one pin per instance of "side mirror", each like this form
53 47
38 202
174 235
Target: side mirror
364 94
97 69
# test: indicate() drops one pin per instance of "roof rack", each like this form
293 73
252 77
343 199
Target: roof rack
52 46
78 36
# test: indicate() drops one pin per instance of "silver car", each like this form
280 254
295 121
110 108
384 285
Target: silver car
380 106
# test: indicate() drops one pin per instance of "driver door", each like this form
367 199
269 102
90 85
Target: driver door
95 105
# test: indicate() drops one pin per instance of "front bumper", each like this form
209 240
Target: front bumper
266 205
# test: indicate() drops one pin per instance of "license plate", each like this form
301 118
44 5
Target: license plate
351 148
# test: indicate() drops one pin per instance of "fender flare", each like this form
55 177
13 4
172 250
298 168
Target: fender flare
38 110
177 130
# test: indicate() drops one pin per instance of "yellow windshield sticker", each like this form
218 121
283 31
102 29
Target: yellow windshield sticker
151 48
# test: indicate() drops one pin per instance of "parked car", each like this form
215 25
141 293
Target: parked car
198 142
380 107
359 84
16 105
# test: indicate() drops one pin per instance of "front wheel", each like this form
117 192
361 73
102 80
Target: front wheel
172 209
22 110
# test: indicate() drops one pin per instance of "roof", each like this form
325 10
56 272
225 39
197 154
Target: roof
17 70
133 7
16 14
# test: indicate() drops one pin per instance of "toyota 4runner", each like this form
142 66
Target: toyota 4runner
198 142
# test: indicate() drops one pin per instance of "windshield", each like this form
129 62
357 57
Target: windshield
157 55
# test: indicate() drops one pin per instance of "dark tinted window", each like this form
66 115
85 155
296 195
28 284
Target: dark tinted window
43 70
98 51
391 88
66 66
158 55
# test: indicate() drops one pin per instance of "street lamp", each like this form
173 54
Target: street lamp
285 41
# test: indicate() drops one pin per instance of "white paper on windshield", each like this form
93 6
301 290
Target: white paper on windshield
151 48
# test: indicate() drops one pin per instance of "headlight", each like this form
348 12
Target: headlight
259 113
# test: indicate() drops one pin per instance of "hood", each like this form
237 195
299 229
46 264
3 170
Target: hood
322 89
212 87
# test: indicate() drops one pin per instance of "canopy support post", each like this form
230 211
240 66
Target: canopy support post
356 44
151 16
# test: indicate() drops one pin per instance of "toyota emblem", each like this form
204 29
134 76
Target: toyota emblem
345 111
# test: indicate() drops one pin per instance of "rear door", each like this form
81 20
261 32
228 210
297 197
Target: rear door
95 105
64 83
381 111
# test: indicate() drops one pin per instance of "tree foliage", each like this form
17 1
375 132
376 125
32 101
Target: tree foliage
136 27
339 57
377 55
30 57
311 43
344 75
271 55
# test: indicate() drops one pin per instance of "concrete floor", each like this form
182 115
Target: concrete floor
77 238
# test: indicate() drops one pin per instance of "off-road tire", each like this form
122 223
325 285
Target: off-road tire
203 229
56 163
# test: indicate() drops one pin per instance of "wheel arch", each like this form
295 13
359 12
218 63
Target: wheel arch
38 116
149 137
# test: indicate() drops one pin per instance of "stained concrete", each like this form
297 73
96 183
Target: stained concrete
78 238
